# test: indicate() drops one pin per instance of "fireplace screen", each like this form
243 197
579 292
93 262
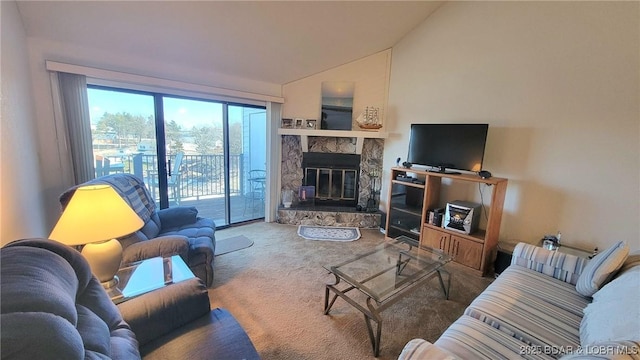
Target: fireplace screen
335 184
335 177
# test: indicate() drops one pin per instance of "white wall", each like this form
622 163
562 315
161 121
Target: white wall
370 75
559 84
55 178
22 212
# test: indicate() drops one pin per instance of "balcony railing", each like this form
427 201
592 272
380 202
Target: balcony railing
200 175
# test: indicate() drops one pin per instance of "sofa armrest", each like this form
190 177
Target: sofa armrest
419 349
163 246
161 311
559 265
177 216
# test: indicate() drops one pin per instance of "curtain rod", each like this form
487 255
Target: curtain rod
154 81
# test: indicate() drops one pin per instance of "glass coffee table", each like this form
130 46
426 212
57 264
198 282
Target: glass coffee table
385 275
148 275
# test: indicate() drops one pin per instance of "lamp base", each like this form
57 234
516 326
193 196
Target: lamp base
111 283
104 258
113 292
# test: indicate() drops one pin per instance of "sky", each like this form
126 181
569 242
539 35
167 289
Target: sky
187 113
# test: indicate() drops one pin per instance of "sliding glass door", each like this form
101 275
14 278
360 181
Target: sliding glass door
188 151
247 159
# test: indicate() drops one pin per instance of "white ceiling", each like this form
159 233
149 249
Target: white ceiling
275 42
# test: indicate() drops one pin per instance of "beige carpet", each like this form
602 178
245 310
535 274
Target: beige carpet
276 291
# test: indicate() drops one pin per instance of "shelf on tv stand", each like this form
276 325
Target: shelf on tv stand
461 176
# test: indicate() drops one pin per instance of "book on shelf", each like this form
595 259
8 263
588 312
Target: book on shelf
434 216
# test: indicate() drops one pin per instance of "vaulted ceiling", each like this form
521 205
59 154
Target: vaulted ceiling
271 41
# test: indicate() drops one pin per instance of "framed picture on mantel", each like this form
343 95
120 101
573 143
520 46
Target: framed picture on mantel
311 124
287 123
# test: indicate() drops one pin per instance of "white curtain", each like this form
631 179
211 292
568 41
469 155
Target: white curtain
75 112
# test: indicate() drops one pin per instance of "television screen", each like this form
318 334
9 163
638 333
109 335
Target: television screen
448 146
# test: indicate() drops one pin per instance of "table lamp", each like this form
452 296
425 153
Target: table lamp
95 216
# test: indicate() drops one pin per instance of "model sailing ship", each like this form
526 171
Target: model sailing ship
369 119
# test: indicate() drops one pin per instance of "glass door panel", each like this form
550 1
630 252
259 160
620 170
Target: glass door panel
247 162
324 181
336 184
350 184
194 142
221 147
123 132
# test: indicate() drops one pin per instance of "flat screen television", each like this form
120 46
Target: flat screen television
448 146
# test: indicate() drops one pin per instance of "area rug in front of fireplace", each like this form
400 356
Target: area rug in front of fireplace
329 233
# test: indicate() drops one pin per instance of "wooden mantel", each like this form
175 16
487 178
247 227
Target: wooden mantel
359 135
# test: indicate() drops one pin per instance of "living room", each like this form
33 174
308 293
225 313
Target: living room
558 84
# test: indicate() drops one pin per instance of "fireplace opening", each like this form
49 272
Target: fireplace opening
335 177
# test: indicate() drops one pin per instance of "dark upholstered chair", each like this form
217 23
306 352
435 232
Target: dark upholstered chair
52 307
172 231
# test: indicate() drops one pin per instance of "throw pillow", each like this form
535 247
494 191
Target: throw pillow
632 260
601 268
177 216
613 315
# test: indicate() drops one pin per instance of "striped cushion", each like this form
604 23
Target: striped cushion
529 311
419 349
469 338
543 288
565 267
601 268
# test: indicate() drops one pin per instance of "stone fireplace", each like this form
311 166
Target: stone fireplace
343 169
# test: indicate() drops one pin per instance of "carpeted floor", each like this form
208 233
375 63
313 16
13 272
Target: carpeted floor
275 289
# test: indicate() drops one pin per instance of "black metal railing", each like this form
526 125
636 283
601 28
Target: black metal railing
200 175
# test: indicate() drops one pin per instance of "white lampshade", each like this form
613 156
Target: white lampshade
95 213
95 216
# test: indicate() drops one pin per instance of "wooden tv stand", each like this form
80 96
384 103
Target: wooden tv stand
407 214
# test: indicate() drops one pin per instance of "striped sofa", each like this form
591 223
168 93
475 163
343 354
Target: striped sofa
548 305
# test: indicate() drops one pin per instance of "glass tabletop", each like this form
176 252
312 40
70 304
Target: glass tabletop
390 267
148 275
